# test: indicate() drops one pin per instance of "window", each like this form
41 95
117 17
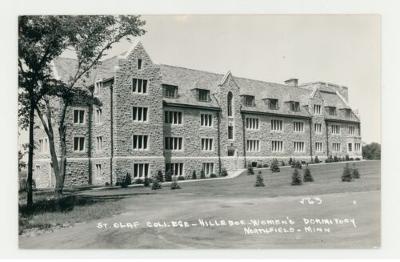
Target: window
295 106
139 86
79 116
176 169
230 103
231 152
97 87
43 145
205 119
298 126
204 95
349 147
99 143
347 113
335 129
273 104
317 109
318 146
207 144
357 147
173 143
277 146
98 170
318 128
251 123
98 115
298 147
249 101
139 64
336 147
140 142
173 117
230 132
208 168
252 145
140 170
351 130
332 111
79 144
139 114
276 125
170 91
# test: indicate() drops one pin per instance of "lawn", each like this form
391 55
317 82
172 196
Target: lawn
231 199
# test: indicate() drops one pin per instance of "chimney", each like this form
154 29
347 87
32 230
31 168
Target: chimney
292 82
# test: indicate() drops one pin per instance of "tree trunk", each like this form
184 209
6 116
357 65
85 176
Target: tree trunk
63 160
29 199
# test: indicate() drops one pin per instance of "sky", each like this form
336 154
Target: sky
341 49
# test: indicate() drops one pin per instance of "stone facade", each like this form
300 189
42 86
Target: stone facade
109 130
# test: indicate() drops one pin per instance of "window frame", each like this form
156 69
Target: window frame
277 130
143 142
79 110
142 115
207 140
170 140
79 144
302 125
210 117
136 81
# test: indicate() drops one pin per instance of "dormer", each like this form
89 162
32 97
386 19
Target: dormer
294 106
202 95
346 112
331 110
248 100
170 91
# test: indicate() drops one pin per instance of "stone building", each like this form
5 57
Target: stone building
160 117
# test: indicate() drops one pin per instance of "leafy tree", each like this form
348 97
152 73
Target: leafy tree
41 40
372 151
296 177
259 180
307 177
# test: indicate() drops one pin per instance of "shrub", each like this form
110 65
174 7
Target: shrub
175 185
139 181
298 165
283 163
194 176
147 182
265 165
355 173
259 180
168 176
329 159
250 170
351 159
274 166
202 174
316 160
296 178
224 172
347 158
155 185
358 159
107 184
307 177
181 178
290 161
125 181
346 176
259 166
160 176
213 175
303 162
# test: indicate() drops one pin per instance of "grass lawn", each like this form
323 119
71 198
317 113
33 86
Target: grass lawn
231 199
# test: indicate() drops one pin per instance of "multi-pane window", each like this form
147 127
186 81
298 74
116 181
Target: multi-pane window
173 143
318 146
317 109
139 86
298 146
357 147
43 145
230 132
276 125
332 111
252 145
277 146
294 106
251 123
79 144
98 170
173 117
336 147
273 104
140 142
335 129
249 101
170 91
207 144
208 168
98 115
351 130
298 126
79 116
204 95
318 128
176 169
139 114
350 147
206 119
99 143
97 87
140 170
